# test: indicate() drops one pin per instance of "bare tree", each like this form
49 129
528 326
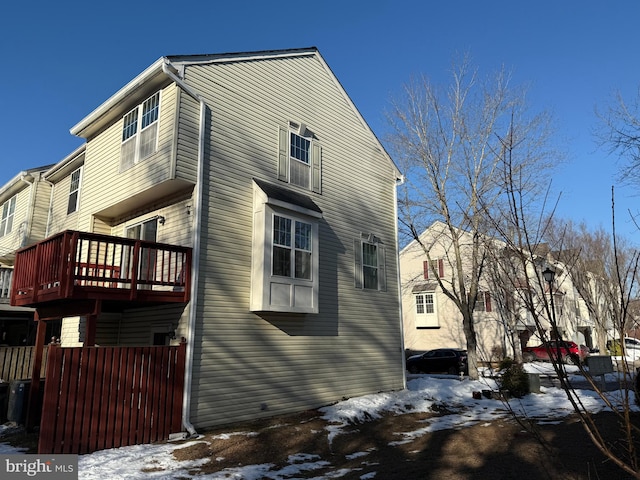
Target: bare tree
593 267
525 235
448 143
619 132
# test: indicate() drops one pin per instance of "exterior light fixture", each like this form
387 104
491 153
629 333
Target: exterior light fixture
549 276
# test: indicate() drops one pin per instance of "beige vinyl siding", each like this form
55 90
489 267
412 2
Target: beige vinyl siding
40 214
73 330
70 332
60 221
188 138
248 365
108 329
18 235
102 176
178 226
137 325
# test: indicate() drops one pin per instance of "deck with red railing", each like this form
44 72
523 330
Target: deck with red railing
74 265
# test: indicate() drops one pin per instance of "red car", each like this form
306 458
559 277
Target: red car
570 352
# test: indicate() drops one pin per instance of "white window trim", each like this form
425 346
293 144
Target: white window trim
358 245
285 158
276 293
10 214
292 247
76 191
425 320
135 138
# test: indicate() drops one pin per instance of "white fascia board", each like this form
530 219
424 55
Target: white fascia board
120 95
62 164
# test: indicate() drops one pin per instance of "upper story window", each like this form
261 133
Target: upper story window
483 302
300 158
300 161
8 210
74 191
436 264
140 132
369 263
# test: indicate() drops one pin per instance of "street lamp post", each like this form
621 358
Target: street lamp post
549 276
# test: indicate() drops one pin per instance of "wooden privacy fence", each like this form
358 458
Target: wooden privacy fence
16 363
105 397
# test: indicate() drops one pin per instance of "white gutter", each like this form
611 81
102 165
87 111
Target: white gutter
170 71
399 182
121 94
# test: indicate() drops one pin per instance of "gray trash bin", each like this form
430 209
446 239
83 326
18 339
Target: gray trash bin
534 382
4 401
18 398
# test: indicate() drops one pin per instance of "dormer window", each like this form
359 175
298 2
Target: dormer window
140 132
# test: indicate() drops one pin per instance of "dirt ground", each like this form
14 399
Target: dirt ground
502 449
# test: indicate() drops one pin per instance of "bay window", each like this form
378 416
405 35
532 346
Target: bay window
285 260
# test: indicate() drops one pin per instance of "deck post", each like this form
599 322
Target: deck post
91 325
34 390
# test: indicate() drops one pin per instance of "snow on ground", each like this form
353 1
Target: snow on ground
423 392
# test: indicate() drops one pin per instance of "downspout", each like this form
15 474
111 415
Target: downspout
170 71
399 182
50 212
32 199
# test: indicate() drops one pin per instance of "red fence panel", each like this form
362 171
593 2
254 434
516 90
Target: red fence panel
105 397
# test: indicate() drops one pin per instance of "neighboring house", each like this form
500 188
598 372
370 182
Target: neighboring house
261 165
432 320
24 202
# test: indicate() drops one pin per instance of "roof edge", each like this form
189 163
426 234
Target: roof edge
151 71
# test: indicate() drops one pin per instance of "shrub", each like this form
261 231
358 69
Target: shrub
514 378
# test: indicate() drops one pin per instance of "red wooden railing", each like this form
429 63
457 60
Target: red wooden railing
74 265
97 398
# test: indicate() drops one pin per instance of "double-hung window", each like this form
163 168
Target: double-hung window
300 158
483 302
431 266
291 248
369 263
74 191
140 132
8 210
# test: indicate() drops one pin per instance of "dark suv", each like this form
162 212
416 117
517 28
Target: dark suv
440 360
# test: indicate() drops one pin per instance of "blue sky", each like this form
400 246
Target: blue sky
62 59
